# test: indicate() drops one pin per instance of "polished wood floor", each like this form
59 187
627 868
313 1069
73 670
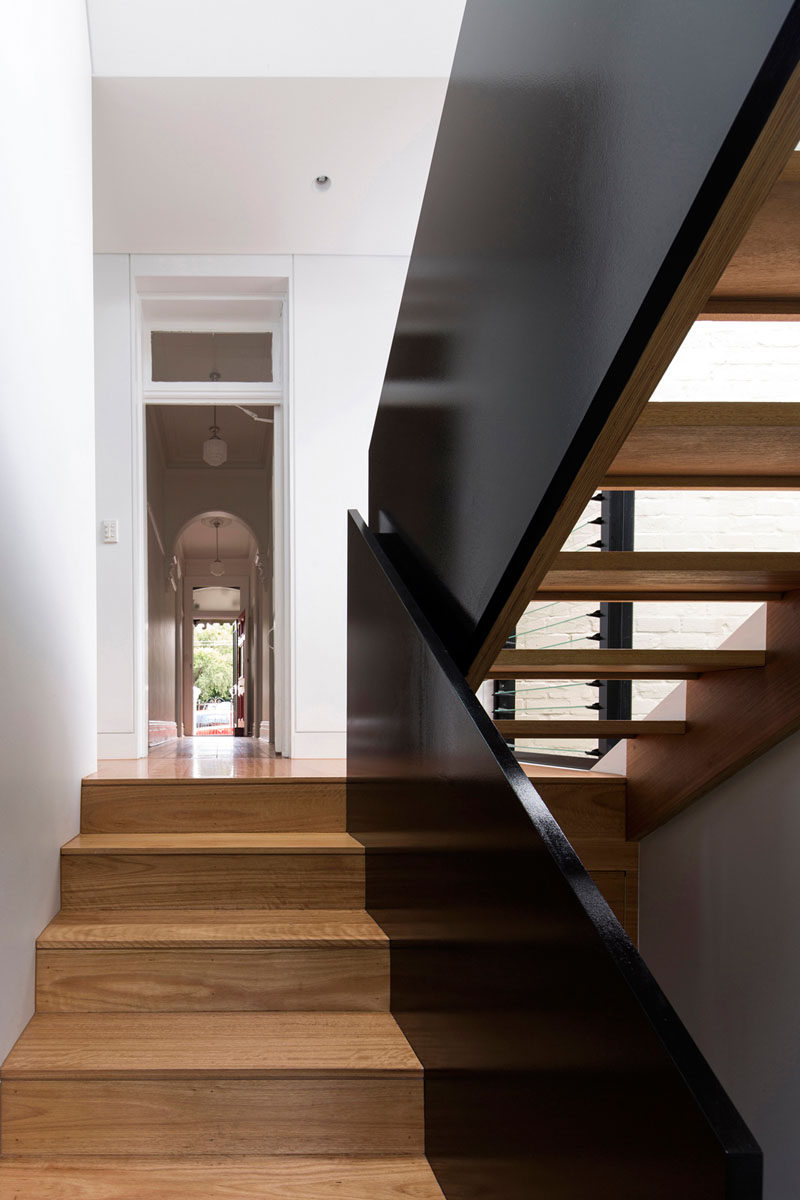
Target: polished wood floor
218 758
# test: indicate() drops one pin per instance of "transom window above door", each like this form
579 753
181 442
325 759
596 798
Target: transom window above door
180 356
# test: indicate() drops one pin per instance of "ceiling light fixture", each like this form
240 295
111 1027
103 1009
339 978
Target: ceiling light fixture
215 451
216 567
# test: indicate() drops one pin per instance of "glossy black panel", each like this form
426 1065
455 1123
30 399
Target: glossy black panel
583 152
554 1066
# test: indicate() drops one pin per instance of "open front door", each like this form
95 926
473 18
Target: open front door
240 695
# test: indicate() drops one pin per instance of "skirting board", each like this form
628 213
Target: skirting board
319 744
117 745
161 731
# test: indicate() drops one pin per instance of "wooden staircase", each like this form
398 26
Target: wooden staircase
691 445
212 1009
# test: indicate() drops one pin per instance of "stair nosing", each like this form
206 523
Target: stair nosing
210 843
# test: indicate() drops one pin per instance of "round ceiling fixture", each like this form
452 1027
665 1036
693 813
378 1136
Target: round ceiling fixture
215 451
322 183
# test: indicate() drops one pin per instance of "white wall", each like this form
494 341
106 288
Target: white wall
719 898
120 607
345 309
47 603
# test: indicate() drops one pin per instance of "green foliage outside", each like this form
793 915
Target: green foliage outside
213 661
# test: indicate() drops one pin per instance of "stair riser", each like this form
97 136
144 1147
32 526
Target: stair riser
587 810
120 881
207 807
213 1116
313 979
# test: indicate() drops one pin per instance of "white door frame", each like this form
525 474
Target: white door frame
202 270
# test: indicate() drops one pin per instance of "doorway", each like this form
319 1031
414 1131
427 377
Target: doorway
215 674
210 556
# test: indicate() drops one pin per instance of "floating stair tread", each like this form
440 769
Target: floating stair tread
698 444
211 929
570 775
213 843
284 1177
620 664
671 575
238 1045
588 729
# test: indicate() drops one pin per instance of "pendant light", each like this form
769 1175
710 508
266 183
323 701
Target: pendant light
216 567
215 451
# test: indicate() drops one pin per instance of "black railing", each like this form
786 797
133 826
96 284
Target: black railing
616 619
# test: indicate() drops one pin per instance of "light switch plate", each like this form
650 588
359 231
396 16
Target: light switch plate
110 532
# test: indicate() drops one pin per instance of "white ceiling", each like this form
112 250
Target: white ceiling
182 429
216 166
258 38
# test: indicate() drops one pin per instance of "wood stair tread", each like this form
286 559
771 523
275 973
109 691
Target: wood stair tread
671 575
241 1045
620 664
588 729
717 444
570 775
281 1177
213 843
212 928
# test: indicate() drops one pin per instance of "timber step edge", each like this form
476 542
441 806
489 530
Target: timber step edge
213 843
67 1046
211 929
620 664
293 1177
